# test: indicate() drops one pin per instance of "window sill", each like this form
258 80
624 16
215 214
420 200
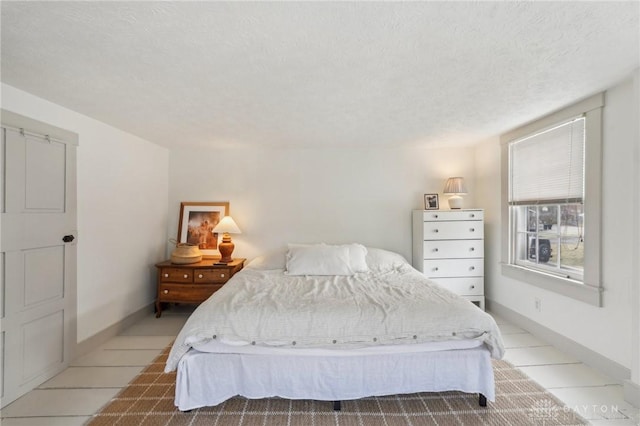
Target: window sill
566 287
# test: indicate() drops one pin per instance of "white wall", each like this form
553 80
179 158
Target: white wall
635 340
605 330
122 212
311 195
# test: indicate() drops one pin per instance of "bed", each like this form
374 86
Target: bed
332 323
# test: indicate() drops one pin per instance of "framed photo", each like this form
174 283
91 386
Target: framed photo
197 220
431 202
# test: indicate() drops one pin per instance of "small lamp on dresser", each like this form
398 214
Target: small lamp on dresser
455 187
227 226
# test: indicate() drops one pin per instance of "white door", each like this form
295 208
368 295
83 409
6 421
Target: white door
38 259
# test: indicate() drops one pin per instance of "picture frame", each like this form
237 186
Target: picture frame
431 202
197 220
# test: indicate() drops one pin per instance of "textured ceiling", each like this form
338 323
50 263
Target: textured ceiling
313 74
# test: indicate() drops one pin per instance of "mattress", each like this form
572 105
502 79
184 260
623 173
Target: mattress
214 346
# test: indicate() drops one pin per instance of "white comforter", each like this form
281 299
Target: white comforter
396 306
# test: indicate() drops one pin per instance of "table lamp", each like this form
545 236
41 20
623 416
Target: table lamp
227 226
455 187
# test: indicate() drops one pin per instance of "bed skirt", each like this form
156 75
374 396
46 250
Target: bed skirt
207 379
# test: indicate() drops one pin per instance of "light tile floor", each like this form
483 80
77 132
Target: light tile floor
591 394
71 397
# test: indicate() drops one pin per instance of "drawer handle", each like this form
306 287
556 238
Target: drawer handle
166 292
435 249
472 215
435 230
471 268
186 276
435 216
166 275
221 275
472 287
472 249
472 230
200 276
435 269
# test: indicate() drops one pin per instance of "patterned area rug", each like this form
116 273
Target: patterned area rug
148 400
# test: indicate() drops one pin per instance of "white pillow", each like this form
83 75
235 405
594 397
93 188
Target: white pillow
357 257
272 260
319 259
384 260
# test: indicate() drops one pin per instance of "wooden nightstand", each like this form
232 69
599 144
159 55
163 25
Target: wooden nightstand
192 283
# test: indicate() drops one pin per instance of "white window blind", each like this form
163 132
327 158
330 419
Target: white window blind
548 167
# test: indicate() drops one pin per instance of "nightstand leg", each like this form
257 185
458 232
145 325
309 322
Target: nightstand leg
158 309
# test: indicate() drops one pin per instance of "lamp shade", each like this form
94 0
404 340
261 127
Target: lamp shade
227 225
455 185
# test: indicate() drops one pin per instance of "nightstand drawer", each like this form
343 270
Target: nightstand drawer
176 275
473 286
453 230
454 268
192 282
441 249
186 293
211 275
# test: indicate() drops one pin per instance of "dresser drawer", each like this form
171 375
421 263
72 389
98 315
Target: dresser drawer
186 293
453 230
176 275
439 249
211 275
473 286
453 215
454 268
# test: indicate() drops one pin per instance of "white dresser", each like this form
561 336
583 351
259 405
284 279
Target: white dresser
448 247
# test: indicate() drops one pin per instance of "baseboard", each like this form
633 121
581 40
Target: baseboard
91 343
632 393
563 343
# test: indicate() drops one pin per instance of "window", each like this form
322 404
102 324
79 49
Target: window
546 194
551 201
